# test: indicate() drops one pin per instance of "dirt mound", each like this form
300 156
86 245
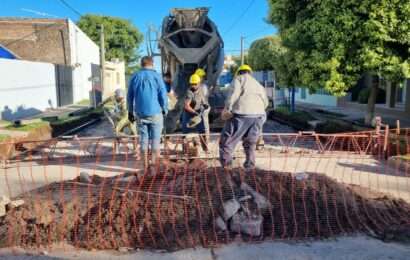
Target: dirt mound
178 206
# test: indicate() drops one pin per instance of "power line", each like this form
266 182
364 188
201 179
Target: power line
240 17
45 28
70 7
258 32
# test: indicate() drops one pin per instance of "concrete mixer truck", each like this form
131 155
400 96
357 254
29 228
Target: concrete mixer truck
189 40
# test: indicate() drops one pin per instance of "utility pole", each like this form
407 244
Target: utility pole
242 50
102 59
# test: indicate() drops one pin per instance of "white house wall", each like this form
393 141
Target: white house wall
26 88
317 99
84 53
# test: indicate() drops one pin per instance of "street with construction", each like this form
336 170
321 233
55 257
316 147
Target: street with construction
186 143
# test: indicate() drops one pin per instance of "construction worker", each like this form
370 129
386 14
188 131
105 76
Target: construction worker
196 108
168 82
245 115
119 113
202 74
147 104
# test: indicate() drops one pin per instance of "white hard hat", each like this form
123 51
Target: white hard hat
119 93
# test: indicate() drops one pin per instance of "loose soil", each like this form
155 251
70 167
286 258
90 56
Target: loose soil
175 205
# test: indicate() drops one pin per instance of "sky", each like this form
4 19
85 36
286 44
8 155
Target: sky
225 13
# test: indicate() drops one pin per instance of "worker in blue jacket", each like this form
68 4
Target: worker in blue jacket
147 104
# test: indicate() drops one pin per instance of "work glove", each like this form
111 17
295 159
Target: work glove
131 117
226 115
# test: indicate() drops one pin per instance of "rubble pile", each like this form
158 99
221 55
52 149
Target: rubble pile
178 206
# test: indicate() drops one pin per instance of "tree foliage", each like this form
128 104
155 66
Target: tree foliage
122 38
269 53
332 43
264 53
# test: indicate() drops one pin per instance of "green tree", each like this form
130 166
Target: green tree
335 42
264 53
122 38
269 53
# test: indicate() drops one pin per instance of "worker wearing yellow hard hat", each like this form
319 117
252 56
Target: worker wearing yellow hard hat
201 72
244 69
194 80
195 110
245 114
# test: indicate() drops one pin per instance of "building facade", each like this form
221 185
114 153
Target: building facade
41 44
114 77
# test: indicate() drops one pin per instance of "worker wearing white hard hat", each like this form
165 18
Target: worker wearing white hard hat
119 113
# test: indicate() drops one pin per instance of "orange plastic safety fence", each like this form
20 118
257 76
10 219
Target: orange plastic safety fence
96 192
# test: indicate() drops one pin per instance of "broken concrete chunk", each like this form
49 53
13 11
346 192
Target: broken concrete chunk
300 176
4 200
249 225
128 179
245 198
2 210
220 223
230 208
85 177
16 203
260 200
124 249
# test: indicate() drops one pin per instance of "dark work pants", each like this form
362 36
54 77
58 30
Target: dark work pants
240 128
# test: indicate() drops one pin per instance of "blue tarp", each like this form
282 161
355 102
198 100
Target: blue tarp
6 54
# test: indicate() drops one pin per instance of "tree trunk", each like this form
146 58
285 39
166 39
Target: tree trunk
371 103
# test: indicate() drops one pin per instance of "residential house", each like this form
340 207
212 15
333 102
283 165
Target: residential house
114 77
55 56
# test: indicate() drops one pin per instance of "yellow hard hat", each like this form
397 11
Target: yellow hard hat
200 72
244 67
194 79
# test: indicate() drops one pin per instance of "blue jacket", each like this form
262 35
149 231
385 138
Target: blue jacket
147 94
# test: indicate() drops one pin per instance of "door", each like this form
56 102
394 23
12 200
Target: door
64 84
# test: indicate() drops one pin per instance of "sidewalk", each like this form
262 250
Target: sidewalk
60 111
353 111
349 247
